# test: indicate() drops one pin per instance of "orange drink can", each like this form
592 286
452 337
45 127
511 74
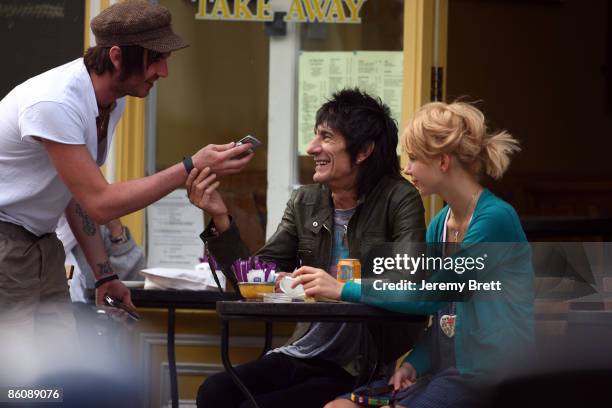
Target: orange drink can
348 270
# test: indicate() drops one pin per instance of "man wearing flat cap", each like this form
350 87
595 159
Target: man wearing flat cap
55 132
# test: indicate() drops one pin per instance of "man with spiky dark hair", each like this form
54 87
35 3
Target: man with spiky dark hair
359 200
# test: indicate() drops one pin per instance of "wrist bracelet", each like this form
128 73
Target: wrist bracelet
102 281
188 163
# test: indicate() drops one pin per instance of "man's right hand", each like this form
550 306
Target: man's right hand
222 158
115 289
202 192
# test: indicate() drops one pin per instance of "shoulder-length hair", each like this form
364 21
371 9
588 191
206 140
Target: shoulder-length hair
364 120
97 59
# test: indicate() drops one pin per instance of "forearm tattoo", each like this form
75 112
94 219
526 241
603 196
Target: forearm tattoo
104 268
89 227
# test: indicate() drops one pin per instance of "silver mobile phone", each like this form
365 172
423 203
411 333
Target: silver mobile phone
111 301
255 143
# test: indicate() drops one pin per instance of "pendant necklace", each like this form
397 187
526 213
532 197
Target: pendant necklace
461 226
447 321
103 119
102 122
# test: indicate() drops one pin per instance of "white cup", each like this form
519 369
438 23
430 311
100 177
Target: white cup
285 287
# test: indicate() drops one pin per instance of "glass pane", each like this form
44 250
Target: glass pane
36 36
381 29
217 92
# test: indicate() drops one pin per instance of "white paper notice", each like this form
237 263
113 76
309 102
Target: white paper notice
174 226
379 73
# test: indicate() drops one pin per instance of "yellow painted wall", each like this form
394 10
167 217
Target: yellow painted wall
129 140
418 59
130 156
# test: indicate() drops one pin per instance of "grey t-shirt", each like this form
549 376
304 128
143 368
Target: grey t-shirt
337 342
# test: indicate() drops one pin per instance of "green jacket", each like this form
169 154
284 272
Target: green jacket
391 212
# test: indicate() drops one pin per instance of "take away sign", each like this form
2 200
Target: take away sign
298 11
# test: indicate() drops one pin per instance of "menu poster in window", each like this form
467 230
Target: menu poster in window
173 232
379 73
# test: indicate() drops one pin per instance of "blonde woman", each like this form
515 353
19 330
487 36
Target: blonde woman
449 150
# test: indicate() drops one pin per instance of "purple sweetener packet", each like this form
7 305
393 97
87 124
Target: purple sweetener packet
243 270
236 269
270 268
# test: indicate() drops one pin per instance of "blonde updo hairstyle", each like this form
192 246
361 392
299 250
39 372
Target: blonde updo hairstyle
459 129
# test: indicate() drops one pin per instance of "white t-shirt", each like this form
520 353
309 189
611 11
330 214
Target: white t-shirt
58 105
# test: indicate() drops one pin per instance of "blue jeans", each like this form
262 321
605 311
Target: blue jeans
447 388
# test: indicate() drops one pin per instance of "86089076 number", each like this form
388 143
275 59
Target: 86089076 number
31 394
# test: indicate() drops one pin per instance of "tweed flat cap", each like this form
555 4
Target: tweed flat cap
136 22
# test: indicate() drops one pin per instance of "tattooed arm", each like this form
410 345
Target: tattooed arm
88 236
105 201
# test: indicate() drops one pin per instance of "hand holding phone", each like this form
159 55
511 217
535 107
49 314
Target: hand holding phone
255 143
112 302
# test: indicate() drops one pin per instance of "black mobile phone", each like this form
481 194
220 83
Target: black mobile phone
111 301
255 143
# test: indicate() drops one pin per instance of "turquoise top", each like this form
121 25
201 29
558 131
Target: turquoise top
488 333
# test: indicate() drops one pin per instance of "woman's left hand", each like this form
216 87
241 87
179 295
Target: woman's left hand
317 282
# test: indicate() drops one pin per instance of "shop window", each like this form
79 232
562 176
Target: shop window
217 92
37 35
380 31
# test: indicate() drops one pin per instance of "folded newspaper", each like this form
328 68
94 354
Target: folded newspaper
199 278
